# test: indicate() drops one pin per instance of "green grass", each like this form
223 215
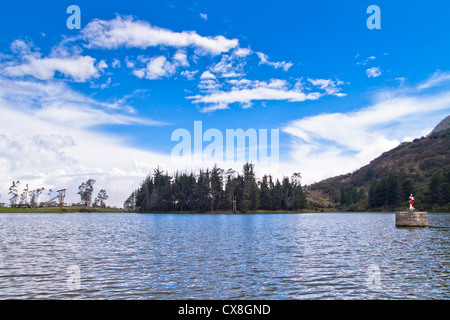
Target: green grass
56 210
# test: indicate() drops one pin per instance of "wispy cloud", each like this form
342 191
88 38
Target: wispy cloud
230 65
190 75
264 59
130 33
246 91
365 61
336 143
56 101
437 78
331 87
49 136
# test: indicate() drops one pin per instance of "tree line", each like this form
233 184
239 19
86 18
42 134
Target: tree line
393 191
29 198
86 191
216 189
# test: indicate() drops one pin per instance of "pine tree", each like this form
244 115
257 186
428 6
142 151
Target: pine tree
300 200
250 193
439 189
130 203
202 192
265 199
216 187
276 195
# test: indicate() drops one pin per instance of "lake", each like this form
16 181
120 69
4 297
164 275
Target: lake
193 256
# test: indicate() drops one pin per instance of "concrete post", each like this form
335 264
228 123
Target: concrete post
411 219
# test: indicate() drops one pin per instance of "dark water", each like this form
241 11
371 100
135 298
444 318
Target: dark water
148 256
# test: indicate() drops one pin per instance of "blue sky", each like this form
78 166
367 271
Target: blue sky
103 101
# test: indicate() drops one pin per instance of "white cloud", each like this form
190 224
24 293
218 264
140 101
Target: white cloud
373 72
46 139
130 33
180 58
204 16
129 63
190 75
140 73
103 85
208 82
437 78
242 83
215 107
330 86
63 60
402 80
230 66
115 64
207 75
79 69
331 144
159 67
23 48
365 61
101 65
264 59
209 85
242 52
244 92
57 102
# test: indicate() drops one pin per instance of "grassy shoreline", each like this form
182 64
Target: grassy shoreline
230 212
81 209
57 210
84 209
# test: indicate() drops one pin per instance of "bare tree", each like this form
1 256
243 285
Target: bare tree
24 196
14 193
101 198
34 196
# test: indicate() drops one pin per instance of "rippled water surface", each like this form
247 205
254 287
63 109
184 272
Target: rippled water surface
166 256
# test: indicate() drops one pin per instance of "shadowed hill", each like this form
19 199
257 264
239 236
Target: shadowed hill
412 167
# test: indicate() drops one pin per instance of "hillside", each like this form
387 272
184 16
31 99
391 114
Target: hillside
442 126
412 167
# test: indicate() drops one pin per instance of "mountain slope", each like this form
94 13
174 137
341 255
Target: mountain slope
411 167
442 126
